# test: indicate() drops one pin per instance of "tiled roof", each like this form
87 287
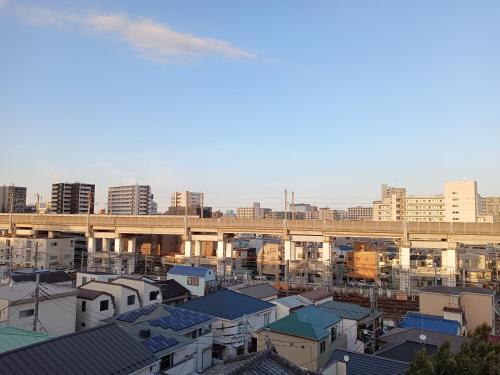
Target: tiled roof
12 338
309 322
348 310
259 291
261 363
45 277
430 323
455 290
189 271
399 335
227 304
316 295
293 302
367 364
80 352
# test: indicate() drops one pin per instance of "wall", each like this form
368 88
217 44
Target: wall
143 288
91 276
433 303
92 315
119 293
479 308
195 290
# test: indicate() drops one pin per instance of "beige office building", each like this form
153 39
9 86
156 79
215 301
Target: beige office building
461 201
186 199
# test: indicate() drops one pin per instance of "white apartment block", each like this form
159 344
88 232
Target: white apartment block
44 253
461 201
424 208
186 199
130 200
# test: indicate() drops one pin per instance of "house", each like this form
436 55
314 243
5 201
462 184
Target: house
180 339
286 305
149 292
172 292
358 322
93 306
262 291
306 337
431 323
101 350
317 296
12 338
343 362
238 317
264 362
198 280
51 277
56 307
84 277
471 306
125 297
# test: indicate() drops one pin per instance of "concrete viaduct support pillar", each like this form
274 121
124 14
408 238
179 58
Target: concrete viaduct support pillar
449 264
105 244
132 242
197 248
188 248
118 245
327 250
404 262
221 249
289 250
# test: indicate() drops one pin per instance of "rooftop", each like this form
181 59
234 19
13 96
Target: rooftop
69 354
455 290
25 291
348 310
309 322
316 294
259 291
405 351
45 277
367 364
293 302
12 338
431 323
171 289
227 304
189 271
90 294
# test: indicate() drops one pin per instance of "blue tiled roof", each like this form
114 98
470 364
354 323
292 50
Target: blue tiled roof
430 323
367 364
189 271
227 304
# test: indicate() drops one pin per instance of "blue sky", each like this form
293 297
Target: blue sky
242 99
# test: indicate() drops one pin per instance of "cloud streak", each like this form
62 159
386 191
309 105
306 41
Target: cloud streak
149 38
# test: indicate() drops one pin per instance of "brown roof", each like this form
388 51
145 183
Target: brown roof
316 295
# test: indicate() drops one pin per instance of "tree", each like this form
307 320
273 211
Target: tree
421 365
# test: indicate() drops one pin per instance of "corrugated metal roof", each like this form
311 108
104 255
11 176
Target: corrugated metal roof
101 350
310 322
430 323
293 301
367 364
259 291
189 271
227 304
348 310
398 335
12 338
405 351
455 290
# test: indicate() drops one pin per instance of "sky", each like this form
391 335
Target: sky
241 100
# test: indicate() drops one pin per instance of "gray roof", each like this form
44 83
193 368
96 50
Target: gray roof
80 353
25 291
293 302
259 291
406 351
261 363
399 335
367 364
349 310
455 290
91 294
316 294
45 277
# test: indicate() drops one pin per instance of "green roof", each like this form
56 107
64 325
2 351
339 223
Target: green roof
309 322
12 338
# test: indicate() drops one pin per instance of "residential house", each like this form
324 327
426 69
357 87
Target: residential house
101 350
477 305
198 280
84 277
343 362
13 338
238 317
125 297
93 307
431 323
306 337
286 305
361 324
149 292
264 362
172 292
318 296
56 307
181 339
262 291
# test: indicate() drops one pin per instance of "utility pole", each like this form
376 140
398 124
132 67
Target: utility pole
37 298
293 206
10 263
36 255
202 203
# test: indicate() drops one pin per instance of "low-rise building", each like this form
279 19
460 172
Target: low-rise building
173 293
198 280
56 307
125 297
93 306
286 305
263 291
343 362
306 337
432 323
101 350
317 296
238 317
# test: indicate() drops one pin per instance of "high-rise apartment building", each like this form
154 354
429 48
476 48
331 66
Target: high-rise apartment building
186 199
491 206
392 205
12 195
72 198
130 200
461 201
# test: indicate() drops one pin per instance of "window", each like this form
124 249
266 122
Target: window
205 330
166 362
131 299
84 279
322 346
84 305
83 324
26 313
334 334
104 305
153 295
193 281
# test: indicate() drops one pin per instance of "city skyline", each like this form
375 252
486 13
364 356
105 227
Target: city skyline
327 101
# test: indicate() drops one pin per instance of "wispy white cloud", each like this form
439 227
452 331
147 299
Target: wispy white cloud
151 39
